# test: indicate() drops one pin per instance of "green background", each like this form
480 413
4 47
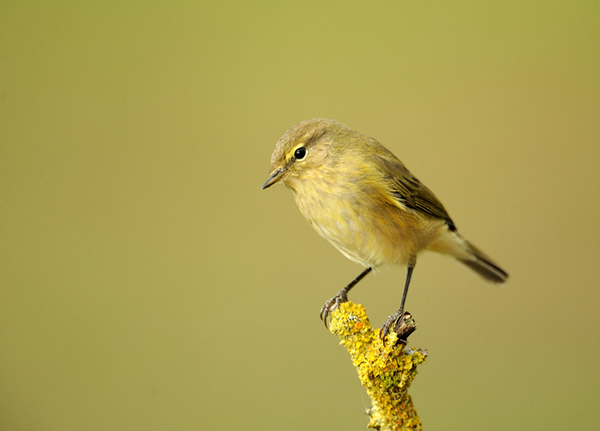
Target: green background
146 283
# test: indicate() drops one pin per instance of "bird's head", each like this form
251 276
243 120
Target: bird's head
302 149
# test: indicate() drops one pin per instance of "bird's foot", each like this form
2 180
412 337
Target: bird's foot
332 304
393 323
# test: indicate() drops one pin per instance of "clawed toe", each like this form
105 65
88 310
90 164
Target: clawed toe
341 297
393 322
331 305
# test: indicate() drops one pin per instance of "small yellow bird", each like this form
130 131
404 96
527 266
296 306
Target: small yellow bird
362 199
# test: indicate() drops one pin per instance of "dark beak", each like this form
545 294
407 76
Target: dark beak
275 176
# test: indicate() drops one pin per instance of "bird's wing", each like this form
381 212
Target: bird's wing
408 191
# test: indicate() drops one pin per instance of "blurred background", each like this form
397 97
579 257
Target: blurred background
146 282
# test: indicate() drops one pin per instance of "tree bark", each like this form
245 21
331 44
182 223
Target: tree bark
385 369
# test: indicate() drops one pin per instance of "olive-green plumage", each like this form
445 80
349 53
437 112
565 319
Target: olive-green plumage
361 198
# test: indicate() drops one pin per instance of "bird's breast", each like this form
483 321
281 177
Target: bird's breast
359 219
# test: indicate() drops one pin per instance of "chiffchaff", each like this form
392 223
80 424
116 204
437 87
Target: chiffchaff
361 198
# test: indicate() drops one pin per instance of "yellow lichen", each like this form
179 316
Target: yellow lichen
385 370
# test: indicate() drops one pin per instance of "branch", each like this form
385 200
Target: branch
385 370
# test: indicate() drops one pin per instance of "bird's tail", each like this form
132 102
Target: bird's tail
479 262
451 243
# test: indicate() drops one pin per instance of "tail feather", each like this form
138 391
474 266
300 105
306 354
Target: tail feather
451 243
483 265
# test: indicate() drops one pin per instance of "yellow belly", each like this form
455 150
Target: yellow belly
366 226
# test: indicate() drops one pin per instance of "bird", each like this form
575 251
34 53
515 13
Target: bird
362 199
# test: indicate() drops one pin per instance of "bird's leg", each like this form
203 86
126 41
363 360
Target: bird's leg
396 318
341 296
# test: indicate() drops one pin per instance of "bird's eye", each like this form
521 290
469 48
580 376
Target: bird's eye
300 153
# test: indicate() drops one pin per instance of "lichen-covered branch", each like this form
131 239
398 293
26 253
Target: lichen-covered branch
385 370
